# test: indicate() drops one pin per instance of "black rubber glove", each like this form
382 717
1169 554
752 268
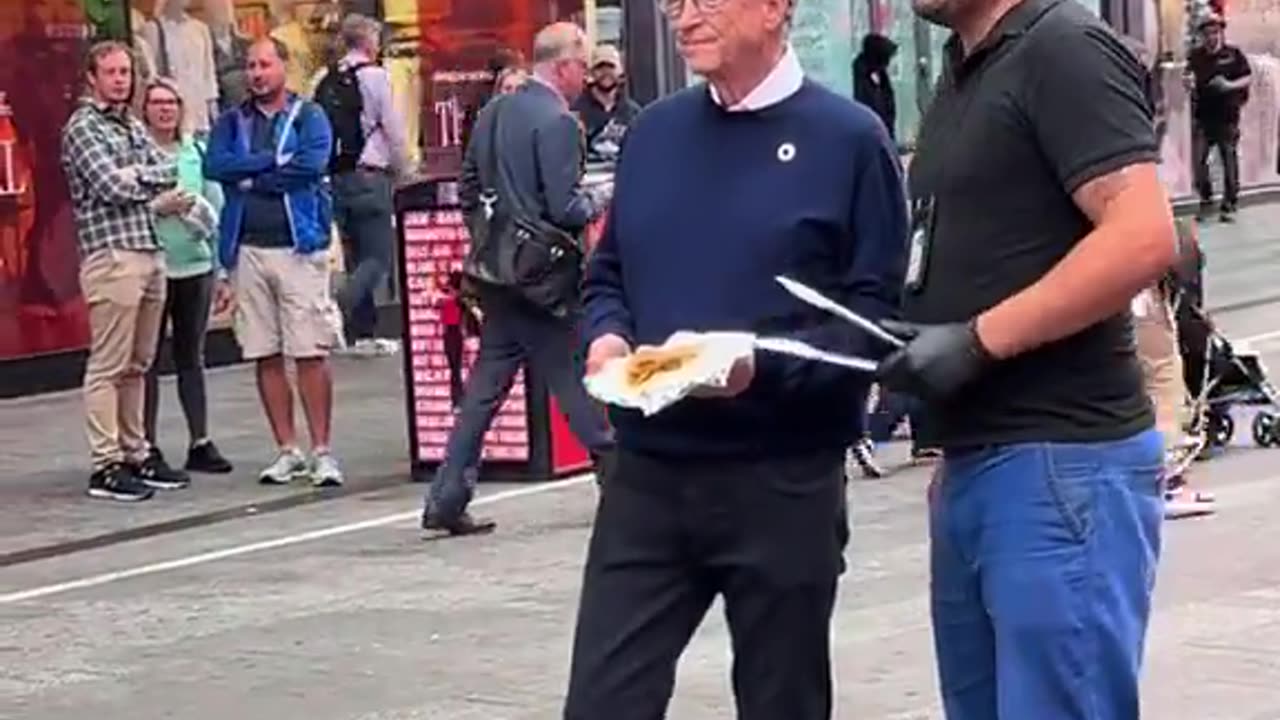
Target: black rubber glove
937 361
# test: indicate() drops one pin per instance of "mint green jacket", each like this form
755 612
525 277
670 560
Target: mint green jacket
187 252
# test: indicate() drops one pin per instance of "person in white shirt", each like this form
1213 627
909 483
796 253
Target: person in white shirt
182 49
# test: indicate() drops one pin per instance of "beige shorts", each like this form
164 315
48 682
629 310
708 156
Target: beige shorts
283 305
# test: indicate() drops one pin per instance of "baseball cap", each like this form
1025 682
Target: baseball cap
606 55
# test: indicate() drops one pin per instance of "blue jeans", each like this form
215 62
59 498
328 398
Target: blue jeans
363 209
1043 563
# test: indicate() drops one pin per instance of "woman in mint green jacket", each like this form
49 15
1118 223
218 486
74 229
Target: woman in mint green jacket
189 242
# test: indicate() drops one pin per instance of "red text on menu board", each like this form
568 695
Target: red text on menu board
435 243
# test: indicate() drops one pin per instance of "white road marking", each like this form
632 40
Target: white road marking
280 542
322 533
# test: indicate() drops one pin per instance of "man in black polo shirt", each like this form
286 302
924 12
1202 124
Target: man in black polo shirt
1221 76
1037 216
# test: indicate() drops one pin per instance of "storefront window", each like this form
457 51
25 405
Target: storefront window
440 53
41 308
1254 27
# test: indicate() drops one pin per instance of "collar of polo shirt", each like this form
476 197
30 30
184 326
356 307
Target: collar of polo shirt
783 81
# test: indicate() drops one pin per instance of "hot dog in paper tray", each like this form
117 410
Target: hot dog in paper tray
654 378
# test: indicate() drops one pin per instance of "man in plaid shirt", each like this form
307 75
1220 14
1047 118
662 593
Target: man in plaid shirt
119 181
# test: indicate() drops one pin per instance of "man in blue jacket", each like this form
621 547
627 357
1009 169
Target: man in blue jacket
738 493
271 155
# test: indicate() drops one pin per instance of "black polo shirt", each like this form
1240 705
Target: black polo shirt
1049 101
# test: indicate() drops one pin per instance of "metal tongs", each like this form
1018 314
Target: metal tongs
796 348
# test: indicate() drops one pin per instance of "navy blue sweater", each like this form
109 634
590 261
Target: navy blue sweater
710 206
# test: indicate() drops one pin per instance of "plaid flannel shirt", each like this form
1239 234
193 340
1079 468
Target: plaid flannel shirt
114 170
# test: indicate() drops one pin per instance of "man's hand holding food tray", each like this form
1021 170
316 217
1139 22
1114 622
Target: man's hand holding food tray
714 364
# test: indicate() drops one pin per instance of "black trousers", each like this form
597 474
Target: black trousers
186 306
1226 140
670 536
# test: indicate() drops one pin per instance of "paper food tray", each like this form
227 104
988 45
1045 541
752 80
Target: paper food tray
715 355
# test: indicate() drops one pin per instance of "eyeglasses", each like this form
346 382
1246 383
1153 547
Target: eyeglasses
675 8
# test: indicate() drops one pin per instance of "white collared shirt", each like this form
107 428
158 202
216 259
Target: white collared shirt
783 81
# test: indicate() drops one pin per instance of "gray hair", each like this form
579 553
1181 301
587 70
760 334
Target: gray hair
357 30
559 41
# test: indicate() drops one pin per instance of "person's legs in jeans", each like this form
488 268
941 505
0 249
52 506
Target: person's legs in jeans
551 355
495 369
1044 563
364 203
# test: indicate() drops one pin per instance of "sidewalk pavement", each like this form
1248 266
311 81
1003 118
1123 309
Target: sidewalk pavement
1243 259
44 470
44 466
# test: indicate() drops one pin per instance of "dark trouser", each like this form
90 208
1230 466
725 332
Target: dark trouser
187 308
1043 562
669 536
889 413
1227 142
363 208
453 345
514 333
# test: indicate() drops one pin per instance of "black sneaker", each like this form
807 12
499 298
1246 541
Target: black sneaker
116 482
155 472
1227 214
205 458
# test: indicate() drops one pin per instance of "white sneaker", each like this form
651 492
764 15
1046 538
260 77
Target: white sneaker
386 346
289 465
325 471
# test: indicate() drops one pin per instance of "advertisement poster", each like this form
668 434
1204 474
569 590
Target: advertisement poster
41 308
442 348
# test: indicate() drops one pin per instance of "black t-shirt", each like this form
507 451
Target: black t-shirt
1050 101
605 128
1216 108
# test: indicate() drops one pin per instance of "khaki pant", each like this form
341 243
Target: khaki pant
1161 362
124 290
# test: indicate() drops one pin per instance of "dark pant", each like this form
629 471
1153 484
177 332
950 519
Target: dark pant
363 207
1043 562
889 413
1227 142
514 333
187 308
453 346
669 536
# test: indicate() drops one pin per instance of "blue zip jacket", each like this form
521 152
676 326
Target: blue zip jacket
296 169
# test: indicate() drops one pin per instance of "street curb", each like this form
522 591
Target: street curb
308 496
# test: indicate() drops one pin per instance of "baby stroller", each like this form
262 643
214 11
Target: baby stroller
1220 377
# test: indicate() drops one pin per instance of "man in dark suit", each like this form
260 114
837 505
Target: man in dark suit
525 156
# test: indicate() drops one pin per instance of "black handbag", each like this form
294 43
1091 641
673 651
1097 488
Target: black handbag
526 255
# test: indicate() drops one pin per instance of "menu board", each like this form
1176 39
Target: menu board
435 243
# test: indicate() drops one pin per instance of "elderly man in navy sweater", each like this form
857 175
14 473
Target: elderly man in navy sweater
740 492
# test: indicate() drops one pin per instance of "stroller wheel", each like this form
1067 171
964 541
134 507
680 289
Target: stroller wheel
1221 429
1265 430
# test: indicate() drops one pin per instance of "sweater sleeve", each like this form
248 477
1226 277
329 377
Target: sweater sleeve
604 297
870 283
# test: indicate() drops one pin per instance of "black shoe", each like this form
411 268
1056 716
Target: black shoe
1227 214
1205 210
155 472
206 458
464 524
116 482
